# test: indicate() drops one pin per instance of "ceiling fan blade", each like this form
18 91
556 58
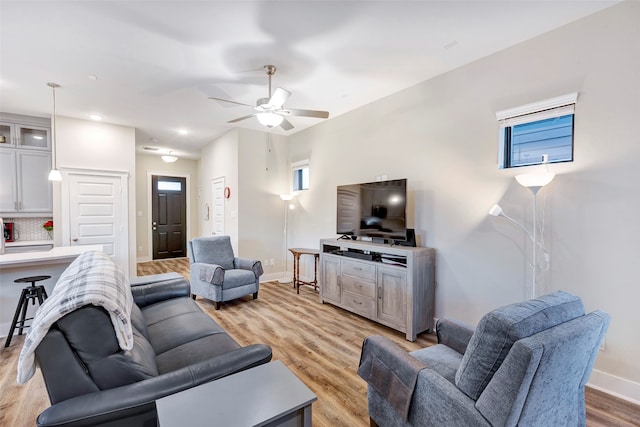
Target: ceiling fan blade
286 124
227 100
279 97
241 118
309 113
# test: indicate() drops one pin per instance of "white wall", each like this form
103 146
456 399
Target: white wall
262 178
88 145
153 165
254 169
220 159
442 135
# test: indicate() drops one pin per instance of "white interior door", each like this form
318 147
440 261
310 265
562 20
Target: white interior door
218 206
97 214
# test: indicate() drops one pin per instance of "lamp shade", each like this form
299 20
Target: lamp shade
535 179
269 119
55 175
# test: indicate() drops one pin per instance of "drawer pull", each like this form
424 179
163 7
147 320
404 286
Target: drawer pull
358 302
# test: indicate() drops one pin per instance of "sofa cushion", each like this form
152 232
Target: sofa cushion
91 336
195 351
213 250
501 328
177 321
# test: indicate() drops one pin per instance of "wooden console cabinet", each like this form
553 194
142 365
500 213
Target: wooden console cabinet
391 285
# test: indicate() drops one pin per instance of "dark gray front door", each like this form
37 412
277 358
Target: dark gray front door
168 216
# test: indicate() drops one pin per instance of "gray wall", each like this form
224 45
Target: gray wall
442 135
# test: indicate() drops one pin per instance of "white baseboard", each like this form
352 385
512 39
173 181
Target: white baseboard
616 386
269 277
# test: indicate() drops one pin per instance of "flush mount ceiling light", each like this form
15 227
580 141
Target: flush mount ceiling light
95 117
168 158
183 131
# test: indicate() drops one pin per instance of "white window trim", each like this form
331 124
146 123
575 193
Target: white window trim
534 107
533 112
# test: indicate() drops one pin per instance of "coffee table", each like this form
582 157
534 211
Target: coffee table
267 395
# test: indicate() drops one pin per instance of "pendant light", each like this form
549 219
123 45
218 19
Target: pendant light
54 174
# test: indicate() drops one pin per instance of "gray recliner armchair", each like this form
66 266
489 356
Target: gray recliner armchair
524 364
217 274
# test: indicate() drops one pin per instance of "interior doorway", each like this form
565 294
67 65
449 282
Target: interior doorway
168 216
94 206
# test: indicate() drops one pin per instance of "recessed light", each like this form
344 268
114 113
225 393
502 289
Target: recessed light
95 117
183 131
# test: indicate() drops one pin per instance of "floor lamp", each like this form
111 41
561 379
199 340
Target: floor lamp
534 182
286 198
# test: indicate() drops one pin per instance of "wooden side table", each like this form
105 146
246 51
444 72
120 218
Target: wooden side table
296 267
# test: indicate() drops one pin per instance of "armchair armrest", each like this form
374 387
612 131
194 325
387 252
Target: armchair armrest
249 264
454 334
210 273
128 403
149 293
391 371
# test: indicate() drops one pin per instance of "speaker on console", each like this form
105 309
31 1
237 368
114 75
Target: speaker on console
411 238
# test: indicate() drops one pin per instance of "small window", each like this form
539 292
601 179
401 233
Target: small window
300 175
169 186
537 133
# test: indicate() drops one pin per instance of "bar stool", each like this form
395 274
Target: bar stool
30 293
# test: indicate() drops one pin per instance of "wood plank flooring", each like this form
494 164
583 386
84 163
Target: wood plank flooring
319 343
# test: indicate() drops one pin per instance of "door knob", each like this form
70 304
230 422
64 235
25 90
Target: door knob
75 239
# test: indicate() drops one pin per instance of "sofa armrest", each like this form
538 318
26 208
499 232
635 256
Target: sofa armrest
249 264
150 293
125 405
454 334
209 273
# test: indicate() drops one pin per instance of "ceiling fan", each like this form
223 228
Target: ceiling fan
270 111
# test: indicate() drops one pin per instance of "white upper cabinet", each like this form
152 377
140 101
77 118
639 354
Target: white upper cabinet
25 161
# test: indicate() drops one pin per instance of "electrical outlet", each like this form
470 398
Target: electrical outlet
272 261
602 346
265 262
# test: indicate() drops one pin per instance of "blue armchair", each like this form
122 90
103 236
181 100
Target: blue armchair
218 275
524 364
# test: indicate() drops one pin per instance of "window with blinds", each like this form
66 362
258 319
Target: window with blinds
537 133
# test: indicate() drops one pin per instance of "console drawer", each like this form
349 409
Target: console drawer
359 287
363 270
359 304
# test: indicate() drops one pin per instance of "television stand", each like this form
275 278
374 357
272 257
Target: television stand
391 285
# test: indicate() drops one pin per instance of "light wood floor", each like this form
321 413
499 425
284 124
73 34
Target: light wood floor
319 343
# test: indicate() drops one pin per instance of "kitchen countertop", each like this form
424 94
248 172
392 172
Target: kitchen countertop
29 243
56 255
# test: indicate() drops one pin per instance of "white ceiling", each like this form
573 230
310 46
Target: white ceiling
157 62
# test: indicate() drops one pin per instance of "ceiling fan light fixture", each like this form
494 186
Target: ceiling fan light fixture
269 119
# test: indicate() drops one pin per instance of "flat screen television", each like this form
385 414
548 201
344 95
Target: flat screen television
373 209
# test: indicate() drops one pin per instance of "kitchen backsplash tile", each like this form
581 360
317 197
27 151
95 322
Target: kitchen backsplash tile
26 229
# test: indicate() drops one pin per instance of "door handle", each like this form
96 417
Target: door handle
75 239
154 228
154 223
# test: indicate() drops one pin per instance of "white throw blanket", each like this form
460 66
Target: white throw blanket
92 278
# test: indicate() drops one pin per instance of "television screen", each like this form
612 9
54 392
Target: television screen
373 209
